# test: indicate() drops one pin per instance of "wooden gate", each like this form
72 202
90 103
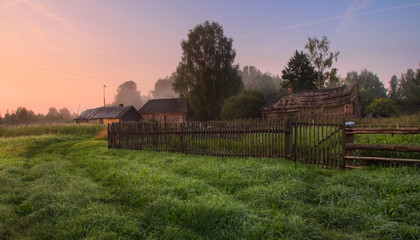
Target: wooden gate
318 140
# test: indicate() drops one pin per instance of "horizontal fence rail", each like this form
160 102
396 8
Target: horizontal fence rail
242 138
350 146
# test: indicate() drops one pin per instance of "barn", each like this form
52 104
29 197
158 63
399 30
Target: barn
105 115
340 101
167 109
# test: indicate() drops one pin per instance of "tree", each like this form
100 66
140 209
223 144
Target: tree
163 87
206 75
299 74
332 80
383 107
24 116
254 79
65 115
393 87
321 58
53 115
128 95
243 106
370 87
407 91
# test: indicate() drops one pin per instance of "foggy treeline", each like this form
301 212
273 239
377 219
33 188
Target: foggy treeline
27 116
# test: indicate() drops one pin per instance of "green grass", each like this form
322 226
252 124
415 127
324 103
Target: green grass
72 187
396 139
62 129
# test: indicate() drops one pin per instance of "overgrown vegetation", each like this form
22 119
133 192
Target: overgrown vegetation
61 129
70 187
405 120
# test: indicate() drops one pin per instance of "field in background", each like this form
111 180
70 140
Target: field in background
73 187
60 129
405 120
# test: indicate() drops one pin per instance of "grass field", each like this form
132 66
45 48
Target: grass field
73 187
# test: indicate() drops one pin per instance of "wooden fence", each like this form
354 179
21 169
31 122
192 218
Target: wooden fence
315 140
254 138
350 145
318 140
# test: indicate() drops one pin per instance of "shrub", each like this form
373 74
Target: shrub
383 107
242 106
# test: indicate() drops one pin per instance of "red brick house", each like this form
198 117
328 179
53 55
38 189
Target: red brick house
342 100
167 109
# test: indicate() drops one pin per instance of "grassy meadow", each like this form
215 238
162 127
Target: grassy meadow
71 186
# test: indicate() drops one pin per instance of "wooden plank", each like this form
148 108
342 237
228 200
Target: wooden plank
349 132
382 159
382 147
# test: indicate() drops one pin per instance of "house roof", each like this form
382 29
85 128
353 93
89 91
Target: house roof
166 105
313 98
106 113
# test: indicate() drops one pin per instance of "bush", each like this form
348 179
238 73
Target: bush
242 106
383 107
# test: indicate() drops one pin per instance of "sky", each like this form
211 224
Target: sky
62 53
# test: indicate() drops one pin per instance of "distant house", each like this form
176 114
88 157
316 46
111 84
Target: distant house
167 109
105 115
342 100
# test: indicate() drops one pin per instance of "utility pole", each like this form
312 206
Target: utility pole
104 94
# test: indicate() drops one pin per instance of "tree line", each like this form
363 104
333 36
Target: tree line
26 116
218 89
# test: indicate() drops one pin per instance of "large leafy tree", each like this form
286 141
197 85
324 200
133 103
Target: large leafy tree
206 74
321 58
128 95
299 73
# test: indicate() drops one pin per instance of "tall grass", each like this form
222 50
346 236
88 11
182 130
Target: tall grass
405 120
67 187
62 129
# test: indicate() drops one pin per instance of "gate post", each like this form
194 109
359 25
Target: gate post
288 138
347 138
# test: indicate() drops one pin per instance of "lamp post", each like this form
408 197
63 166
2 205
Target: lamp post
104 94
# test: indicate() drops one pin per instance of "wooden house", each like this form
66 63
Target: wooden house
105 115
339 101
167 109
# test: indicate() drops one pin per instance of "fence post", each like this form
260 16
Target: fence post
181 138
288 138
109 136
348 138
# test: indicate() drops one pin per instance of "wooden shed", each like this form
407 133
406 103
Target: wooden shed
341 101
167 109
105 115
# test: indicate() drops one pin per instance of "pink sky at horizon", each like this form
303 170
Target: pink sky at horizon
61 53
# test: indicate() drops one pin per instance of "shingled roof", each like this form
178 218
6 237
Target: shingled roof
106 113
166 105
313 98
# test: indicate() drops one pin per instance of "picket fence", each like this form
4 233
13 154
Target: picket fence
315 140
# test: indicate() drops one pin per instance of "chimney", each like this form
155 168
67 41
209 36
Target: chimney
290 90
121 105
